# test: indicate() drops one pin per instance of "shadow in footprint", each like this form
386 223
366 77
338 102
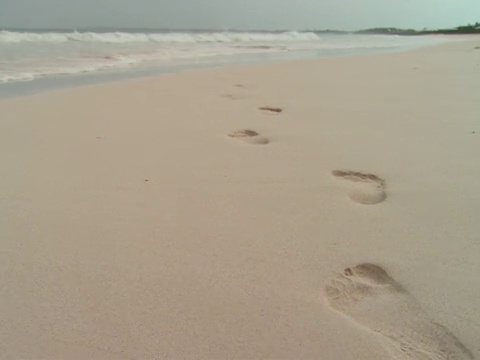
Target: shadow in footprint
369 190
237 96
233 96
249 137
368 296
275 110
243 133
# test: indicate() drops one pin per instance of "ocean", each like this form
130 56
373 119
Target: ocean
46 59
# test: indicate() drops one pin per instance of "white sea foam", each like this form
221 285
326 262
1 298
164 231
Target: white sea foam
66 67
17 77
25 56
165 37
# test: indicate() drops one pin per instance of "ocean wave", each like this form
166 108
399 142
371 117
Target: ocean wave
26 56
167 37
19 77
86 65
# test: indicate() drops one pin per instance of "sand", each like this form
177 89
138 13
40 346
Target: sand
178 217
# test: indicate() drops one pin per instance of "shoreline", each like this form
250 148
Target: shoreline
184 216
62 82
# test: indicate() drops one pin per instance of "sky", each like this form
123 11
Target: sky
239 14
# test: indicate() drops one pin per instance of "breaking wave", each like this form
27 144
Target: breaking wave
30 55
166 37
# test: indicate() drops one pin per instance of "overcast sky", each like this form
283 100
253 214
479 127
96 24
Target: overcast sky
239 14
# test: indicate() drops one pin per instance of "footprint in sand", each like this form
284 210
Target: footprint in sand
250 137
269 109
372 299
234 96
369 190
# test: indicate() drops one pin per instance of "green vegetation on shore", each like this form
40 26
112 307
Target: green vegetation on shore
466 29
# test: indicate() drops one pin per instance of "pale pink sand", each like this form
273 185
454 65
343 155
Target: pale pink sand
133 227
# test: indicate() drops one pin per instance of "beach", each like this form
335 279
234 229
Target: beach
222 213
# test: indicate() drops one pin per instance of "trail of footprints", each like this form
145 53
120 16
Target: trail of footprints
246 135
368 296
368 189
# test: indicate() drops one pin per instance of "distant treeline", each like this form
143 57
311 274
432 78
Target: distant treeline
467 29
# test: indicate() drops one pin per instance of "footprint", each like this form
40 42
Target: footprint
370 189
243 133
275 110
236 95
233 96
249 136
372 299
